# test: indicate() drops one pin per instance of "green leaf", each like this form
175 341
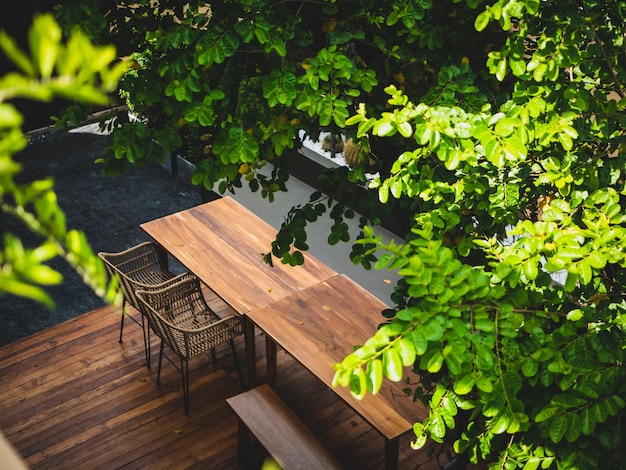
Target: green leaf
501 69
500 423
567 401
15 54
358 383
482 20
421 438
392 364
518 66
587 421
558 428
437 427
374 374
484 324
432 330
484 358
575 315
432 362
453 360
406 349
405 129
385 129
494 407
532 6
574 427
484 384
530 270
506 126
464 385
450 408
529 367
419 341
44 39
596 260
532 463
22 289
546 413
383 193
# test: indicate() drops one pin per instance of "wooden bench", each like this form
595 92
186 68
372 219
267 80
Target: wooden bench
261 412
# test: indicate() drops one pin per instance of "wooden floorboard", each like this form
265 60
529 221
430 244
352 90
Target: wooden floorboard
72 396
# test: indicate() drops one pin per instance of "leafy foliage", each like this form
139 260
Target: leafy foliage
497 132
514 292
81 72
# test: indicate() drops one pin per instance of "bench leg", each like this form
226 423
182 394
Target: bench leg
391 453
243 444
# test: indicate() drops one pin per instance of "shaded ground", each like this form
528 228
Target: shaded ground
109 210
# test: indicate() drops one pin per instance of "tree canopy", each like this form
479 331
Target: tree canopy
495 128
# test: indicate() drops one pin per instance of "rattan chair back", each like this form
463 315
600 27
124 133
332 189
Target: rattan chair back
179 315
144 266
140 267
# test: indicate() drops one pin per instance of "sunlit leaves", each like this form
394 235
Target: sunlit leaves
464 385
392 364
43 41
357 383
374 375
24 269
503 155
527 173
95 71
87 73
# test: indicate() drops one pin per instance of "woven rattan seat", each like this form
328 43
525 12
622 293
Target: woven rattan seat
179 315
144 266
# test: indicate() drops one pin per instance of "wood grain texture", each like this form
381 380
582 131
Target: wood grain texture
72 397
319 326
223 243
280 431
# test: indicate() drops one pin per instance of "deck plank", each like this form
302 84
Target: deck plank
73 397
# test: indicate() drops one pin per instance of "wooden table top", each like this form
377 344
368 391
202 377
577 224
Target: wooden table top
222 242
319 326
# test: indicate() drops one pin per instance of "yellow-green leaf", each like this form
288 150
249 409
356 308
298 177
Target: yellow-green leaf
374 374
392 363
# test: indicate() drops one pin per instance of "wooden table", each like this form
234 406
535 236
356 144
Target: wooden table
222 243
319 326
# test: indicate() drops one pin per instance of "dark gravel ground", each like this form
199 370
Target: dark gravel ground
108 209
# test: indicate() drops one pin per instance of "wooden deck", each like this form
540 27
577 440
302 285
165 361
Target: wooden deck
73 397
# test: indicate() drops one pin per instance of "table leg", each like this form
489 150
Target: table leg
248 331
270 355
391 453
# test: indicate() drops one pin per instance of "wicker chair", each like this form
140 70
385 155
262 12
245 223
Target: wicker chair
143 266
180 316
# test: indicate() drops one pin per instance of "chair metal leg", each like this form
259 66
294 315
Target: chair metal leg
146 333
146 341
158 381
148 348
184 370
122 321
